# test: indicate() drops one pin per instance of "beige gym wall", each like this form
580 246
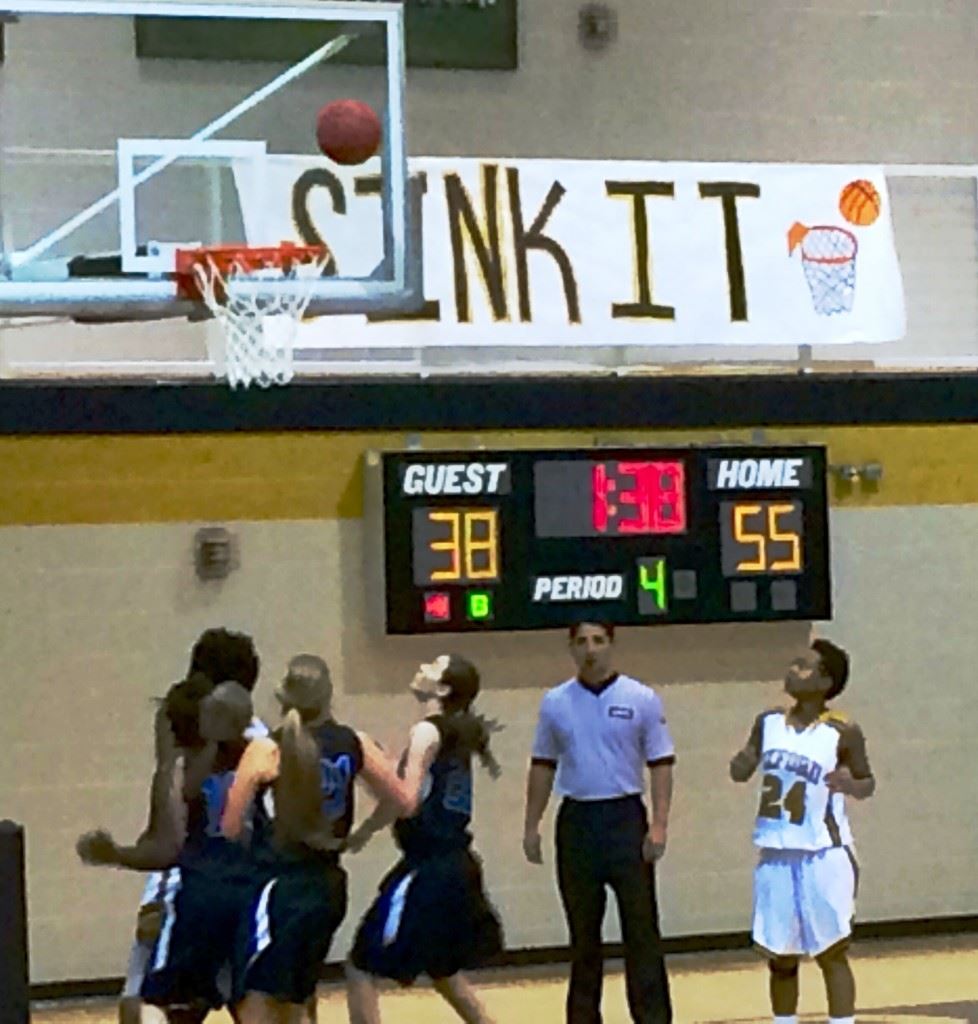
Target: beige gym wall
100 605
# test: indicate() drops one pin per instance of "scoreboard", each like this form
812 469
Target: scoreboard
535 539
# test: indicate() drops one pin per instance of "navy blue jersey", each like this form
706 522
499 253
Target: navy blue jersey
442 821
340 762
205 844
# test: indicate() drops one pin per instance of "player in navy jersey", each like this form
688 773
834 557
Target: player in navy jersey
218 655
431 915
206 892
309 765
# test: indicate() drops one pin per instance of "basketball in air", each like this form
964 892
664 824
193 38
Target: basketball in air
860 203
348 131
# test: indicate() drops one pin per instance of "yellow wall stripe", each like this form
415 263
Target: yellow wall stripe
170 478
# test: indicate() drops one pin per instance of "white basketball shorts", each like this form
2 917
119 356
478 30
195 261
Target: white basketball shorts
139 954
804 900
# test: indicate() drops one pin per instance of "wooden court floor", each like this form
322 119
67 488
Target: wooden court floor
899 982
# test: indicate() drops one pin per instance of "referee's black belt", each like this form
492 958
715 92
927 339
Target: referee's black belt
610 801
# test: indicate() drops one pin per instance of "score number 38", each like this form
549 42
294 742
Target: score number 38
456 545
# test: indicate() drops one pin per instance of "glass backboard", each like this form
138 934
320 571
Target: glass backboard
145 155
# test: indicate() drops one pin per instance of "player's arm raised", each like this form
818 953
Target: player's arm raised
853 777
745 761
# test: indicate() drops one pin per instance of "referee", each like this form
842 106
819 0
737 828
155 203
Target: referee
596 733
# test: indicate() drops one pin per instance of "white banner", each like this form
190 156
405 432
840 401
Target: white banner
580 252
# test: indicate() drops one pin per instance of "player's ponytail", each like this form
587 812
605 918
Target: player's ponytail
299 818
471 732
467 730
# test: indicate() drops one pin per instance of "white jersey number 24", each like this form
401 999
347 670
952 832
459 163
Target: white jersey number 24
775 803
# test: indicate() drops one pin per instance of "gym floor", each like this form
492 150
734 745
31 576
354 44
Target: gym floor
932 981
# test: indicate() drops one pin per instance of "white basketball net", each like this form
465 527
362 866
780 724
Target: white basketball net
828 256
259 327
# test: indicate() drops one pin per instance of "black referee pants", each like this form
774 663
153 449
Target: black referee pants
599 844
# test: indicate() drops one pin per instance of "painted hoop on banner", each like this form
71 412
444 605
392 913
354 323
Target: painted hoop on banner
828 258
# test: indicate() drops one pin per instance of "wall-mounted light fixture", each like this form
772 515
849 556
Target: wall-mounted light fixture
215 553
597 26
850 473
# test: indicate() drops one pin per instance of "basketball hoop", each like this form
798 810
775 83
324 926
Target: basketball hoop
258 297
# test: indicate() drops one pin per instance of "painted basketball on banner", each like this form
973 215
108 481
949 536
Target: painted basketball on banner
860 203
348 131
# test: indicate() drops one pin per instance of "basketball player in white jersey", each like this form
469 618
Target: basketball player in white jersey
811 758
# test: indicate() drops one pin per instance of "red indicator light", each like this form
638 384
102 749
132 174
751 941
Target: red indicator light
437 606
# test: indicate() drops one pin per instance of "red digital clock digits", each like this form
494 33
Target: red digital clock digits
629 498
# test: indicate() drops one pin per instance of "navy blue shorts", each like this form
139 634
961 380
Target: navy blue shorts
201 915
430 917
288 930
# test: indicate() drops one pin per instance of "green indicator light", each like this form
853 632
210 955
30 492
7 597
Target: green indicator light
478 605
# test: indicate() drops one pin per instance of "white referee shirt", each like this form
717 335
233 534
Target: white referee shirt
601 741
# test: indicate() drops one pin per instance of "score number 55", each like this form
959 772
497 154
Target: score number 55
761 537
